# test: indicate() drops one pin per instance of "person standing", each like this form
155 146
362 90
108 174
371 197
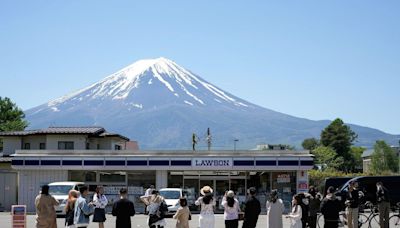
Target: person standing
157 208
148 192
296 214
231 210
182 214
252 209
330 208
382 198
352 204
207 203
45 211
82 209
314 206
100 202
70 208
123 209
275 209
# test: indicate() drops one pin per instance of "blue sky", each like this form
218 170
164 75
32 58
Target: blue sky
312 59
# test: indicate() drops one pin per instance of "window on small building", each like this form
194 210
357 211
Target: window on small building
117 147
87 146
65 145
98 146
42 146
27 146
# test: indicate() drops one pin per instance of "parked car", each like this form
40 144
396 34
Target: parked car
367 184
171 196
336 182
60 191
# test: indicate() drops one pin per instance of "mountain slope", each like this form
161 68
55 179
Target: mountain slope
161 104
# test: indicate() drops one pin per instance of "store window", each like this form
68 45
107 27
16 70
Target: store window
138 182
112 177
82 176
285 183
175 179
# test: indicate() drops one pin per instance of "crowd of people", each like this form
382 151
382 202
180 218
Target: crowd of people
304 212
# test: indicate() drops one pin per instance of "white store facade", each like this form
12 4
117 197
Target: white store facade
238 170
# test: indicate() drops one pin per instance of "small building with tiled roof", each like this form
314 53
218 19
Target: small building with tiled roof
59 138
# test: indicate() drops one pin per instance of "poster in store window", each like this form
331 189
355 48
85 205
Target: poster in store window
283 178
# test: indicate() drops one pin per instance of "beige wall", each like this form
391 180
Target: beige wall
79 141
10 144
34 141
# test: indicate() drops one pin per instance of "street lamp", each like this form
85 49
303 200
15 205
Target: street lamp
234 144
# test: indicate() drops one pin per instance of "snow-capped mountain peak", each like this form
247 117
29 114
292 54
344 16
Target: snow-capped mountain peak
159 76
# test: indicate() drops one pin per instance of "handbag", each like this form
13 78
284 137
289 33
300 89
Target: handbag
241 215
190 216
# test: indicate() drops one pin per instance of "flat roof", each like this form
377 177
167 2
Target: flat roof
163 153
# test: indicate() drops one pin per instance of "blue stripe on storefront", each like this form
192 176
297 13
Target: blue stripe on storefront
307 163
31 162
137 163
181 163
159 163
115 163
50 162
265 163
243 163
288 163
17 162
93 162
72 162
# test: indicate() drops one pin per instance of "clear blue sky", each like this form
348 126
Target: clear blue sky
312 59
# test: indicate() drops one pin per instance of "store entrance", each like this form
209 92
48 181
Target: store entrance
219 186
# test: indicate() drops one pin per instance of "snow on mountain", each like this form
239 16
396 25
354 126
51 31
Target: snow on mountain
160 104
185 86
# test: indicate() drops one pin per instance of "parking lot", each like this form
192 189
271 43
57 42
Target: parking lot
137 221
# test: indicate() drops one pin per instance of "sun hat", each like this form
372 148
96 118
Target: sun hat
206 190
230 193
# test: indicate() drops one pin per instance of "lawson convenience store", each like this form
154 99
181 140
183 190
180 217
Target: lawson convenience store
222 170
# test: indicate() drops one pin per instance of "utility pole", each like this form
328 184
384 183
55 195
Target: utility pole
208 139
234 144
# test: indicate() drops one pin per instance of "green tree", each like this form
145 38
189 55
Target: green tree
11 117
383 158
357 152
340 137
327 158
310 144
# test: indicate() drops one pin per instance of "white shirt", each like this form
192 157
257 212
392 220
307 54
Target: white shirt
100 202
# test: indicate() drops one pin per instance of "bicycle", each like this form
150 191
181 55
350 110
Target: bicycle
394 220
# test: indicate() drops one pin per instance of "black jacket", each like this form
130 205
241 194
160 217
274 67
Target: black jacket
354 198
251 212
123 209
382 195
330 208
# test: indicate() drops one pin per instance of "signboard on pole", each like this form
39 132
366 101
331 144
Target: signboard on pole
18 216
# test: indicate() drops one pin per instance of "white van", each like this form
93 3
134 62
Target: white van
59 190
171 196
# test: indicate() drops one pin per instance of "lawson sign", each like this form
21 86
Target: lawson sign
220 163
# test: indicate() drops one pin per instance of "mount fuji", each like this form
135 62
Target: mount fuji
160 104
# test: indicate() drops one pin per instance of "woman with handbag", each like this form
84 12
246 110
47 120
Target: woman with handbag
70 208
207 203
231 210
182 215
156 208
